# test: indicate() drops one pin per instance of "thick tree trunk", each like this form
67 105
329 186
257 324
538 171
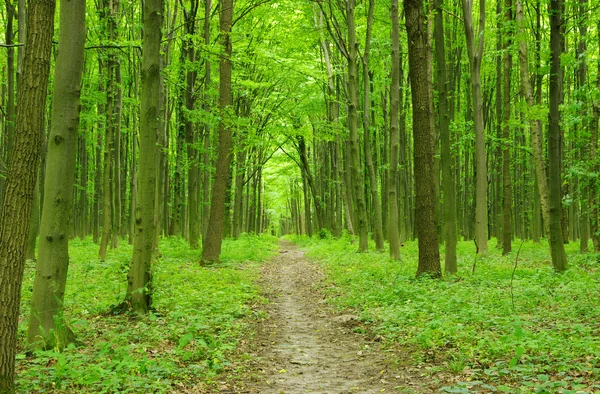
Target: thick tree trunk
47 328
22 175
557 248
422 99
211 243
475 58
139 291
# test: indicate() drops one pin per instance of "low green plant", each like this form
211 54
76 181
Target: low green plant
199 316
467 322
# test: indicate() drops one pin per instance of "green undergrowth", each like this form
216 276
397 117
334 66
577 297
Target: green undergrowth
468 329
199 316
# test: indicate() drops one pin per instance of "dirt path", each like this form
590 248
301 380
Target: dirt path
304 348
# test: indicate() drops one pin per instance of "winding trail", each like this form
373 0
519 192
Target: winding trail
304 348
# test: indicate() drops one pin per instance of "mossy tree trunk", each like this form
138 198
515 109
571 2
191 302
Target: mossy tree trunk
47 328
139 278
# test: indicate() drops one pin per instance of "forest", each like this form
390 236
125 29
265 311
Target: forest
299 196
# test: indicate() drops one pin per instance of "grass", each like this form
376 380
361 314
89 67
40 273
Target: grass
465 328
200 316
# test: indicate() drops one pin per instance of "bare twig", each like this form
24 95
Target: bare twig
512 277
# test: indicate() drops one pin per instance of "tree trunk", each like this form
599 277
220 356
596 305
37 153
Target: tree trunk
536 124
557 248
377 225
9 128
211 243
475 57
506 200
353 103
206 135
447 158
47 328
21 179
422 99
139 280
394 224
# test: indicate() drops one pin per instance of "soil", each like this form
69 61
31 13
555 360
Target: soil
305 346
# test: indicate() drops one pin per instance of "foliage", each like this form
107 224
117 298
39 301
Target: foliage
200 314
466 326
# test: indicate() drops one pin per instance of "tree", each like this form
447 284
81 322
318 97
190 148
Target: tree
22 175
557 248
377 226
506 205
475 52
536 124
211 243
447 158
422 104
139 278
353 120
47 328
394 103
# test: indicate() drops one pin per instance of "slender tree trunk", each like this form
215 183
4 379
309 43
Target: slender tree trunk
206 135
47 327
22 175
190 132
211 243
475 51
377 225
536 124
353 103
584 234
422 99
506 200
9 123
394 104
447 158
557 248
593 196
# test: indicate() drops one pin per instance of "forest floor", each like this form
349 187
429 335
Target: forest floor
306 346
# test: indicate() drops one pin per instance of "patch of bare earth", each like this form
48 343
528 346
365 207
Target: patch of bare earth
304 347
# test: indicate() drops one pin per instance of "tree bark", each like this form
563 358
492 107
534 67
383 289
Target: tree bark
422 100
475 58
211 243
22 175
47 328
373 184
353 103
394 225
557 248
139 290
506 200
536 124
447 158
